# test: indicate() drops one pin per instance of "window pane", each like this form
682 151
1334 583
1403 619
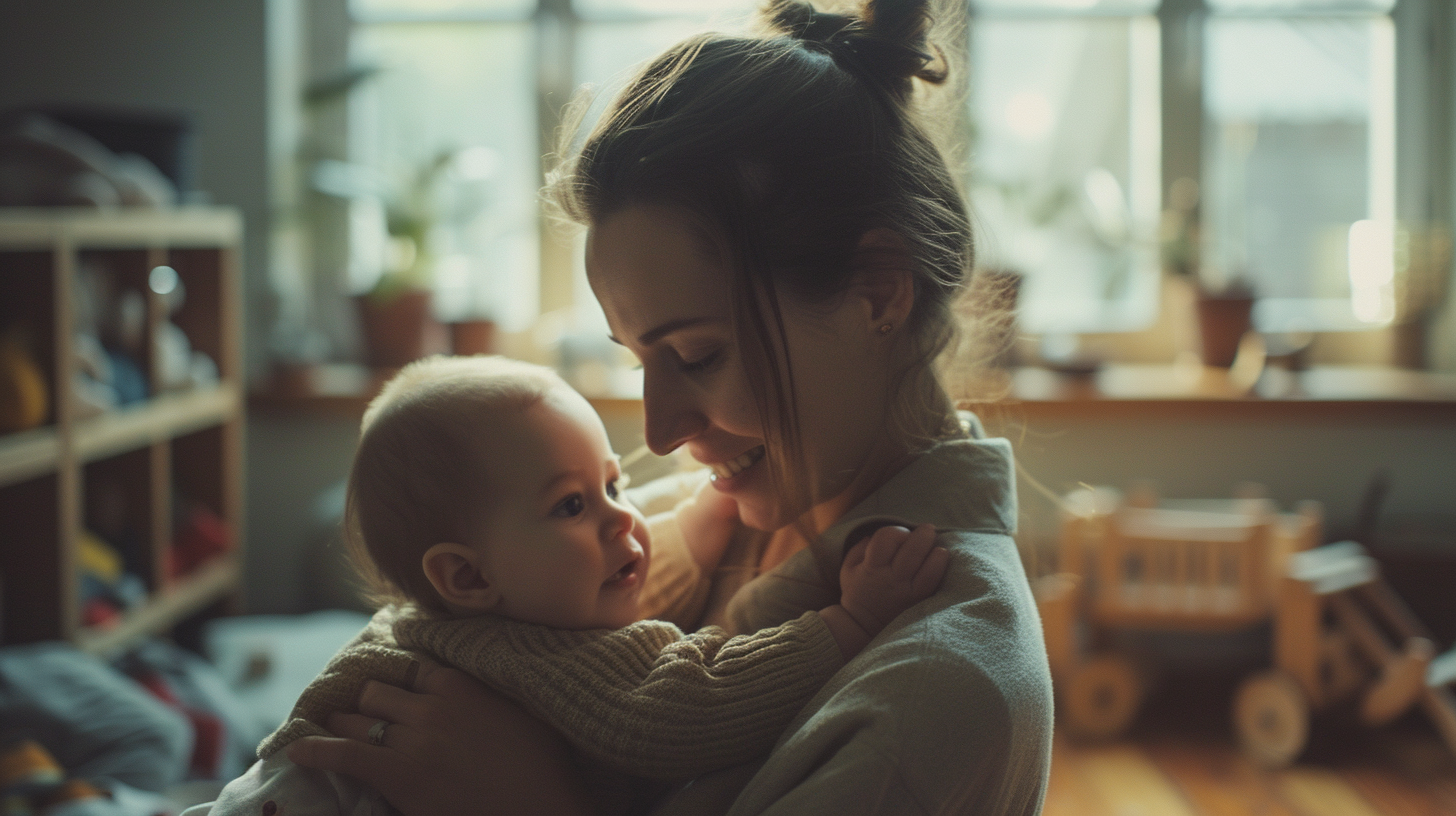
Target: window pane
1299 166
459 98
698 9
1065 166
1119 7
1290 6
449 9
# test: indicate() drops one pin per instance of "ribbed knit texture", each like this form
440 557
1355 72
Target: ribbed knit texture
645 700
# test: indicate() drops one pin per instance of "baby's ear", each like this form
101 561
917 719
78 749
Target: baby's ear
455 572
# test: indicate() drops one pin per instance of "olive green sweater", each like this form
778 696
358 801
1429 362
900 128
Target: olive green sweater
947 711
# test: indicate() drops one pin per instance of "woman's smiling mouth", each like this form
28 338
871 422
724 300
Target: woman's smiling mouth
733 467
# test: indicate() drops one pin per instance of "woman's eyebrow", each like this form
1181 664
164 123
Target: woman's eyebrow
651 336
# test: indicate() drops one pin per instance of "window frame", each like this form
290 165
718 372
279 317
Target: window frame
1423 103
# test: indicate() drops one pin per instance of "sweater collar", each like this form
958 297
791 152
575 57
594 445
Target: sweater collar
960 484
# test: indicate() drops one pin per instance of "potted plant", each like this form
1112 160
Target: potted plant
1224 317
396 316
1224 306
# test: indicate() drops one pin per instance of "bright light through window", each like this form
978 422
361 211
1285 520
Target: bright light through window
1299 167
1065 165
447 130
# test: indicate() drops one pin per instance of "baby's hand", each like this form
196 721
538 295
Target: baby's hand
889 573
707 520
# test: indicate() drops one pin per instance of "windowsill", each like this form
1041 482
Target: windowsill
343 391
1127 389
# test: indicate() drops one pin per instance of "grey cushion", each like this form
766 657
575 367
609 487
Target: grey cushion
95 721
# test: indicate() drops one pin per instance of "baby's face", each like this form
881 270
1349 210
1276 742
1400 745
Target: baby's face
558 544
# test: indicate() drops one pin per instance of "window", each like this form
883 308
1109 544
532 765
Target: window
1299 161
451 128
1065 112
1280 121
447 129
1277 117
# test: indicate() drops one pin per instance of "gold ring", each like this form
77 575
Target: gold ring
376 732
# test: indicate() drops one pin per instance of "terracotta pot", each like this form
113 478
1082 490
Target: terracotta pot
1222 323
472 337
399 329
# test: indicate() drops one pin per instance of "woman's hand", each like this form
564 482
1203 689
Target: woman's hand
452 746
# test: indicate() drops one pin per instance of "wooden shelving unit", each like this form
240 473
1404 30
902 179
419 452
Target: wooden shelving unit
141 456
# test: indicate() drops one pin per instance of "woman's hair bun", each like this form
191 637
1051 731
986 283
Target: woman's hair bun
886 40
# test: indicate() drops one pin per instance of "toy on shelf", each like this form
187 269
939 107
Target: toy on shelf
200 535
178 365
108 343
116 340
1340 634
24 397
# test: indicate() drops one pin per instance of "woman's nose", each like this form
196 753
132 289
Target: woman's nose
672 415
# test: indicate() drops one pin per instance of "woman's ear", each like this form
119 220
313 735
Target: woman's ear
455 571
883 279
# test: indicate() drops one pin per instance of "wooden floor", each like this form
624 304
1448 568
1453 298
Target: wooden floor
1180 760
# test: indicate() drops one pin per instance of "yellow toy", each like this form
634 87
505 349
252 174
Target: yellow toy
24 398
1339 632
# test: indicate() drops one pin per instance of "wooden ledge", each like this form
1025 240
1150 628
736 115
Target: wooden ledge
1125 391
343 391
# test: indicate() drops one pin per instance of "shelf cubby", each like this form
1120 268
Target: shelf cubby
116 473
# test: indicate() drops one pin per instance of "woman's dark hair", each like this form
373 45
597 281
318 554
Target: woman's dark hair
788 148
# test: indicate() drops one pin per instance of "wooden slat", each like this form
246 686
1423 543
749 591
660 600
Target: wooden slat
1127 783
1218 780
1394 611
1316 791
28 454
1334 567
93 228
1389 793
68 470
209 583
154 421
160 498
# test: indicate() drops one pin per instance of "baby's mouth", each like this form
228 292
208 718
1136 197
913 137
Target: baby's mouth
628 571
733 467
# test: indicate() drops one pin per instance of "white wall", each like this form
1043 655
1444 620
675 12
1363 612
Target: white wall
1329 459
206 59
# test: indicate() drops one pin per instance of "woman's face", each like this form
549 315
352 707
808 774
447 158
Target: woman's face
667 297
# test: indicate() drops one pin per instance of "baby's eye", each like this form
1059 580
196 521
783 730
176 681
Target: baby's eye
569 507
612 489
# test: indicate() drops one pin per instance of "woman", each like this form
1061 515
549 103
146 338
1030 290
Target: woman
779 243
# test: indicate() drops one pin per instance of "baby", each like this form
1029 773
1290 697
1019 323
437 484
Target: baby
484 510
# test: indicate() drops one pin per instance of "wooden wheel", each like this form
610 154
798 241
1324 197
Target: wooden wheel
1271 717
1101 697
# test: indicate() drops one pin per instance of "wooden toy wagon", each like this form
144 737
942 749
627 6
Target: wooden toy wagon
1339 633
